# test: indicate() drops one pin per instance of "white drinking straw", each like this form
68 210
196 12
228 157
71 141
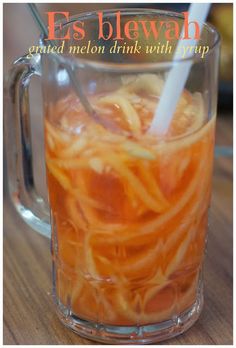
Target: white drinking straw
178 75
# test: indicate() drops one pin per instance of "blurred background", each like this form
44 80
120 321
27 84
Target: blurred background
24 251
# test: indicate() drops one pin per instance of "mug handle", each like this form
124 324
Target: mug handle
31 207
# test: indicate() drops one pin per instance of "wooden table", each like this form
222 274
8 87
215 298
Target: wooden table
29 313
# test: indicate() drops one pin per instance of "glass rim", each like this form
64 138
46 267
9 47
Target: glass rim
118 66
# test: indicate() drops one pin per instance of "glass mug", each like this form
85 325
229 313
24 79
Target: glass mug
128 208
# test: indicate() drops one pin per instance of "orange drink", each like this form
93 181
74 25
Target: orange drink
128 206
129 209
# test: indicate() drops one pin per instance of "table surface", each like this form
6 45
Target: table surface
29 313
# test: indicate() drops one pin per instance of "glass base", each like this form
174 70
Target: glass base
132 334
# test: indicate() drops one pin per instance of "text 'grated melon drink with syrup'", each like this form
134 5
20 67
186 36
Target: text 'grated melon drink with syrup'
129 208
